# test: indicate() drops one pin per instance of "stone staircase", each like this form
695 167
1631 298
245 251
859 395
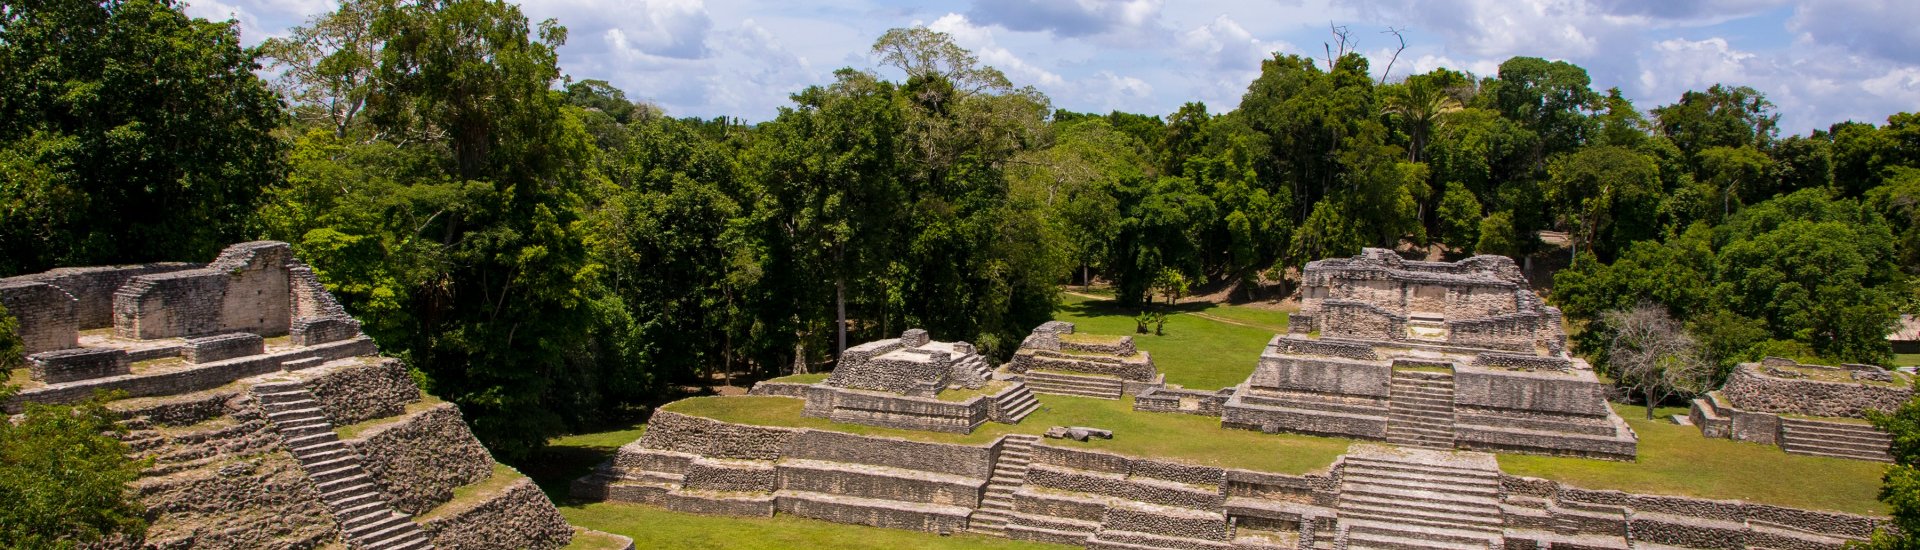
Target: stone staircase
1413 498
1421 409
366 522
978 364
1083 385
1834 439
1009 473
1015 404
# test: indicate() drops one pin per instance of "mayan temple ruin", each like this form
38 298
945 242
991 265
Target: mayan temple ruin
1433 366
1805 409
1446 355
270 420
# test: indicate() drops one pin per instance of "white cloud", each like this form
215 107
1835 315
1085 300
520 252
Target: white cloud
1888 29
1067 18
980 40
1812 86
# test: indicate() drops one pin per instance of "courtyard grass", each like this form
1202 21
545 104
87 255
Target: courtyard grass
1906 360
1676 460
1196 352
653 527
1179 437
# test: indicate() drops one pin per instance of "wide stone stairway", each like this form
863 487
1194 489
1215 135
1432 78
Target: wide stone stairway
1009 473
364 516
1834 439
1396 497
1015 404
1421 409
1083 385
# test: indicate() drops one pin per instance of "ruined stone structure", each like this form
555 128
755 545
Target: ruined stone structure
268 416
1804 409
1480 302
1446 355
1055 359
1020 487
915 383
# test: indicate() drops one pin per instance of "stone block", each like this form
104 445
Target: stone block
309 331
73 364
223 347
46 315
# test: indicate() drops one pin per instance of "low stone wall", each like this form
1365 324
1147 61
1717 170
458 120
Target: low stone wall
238 503
223 347
781 389
959 460
74 364
1751 390
516 517
246 289
1181 400
1690 522
1138 368
350 394
896 411
92 287
1514 361
418 460
671 431
187 380
1300 345
735 476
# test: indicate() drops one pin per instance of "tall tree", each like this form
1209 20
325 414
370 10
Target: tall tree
128 132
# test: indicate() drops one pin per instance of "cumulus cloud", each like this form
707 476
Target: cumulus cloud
1882 28
1221 56
1813 87
981 41
1066 18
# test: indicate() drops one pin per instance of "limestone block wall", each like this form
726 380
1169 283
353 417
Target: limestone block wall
419 459
1685 521
1345 349
1322 375
68 365
222 347
1181 400
246 289
354 393
92 287
959 460
1356 319
1752 390
199 377
46 314
1575 393
1137 368
671 431
520 514
896 411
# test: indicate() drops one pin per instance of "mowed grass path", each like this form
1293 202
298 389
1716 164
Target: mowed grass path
1196 352
1676 460
653 527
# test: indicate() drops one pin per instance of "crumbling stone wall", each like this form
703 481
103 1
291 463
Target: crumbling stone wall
520 514
1751 389
246 289
68 365
350 394
419 459
46 315
671 431
1686 521
92 287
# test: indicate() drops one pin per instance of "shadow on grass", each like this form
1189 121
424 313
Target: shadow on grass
568 458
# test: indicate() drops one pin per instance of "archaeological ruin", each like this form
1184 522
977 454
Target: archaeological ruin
269 419
1804 409
1447 355
913 382
1055 359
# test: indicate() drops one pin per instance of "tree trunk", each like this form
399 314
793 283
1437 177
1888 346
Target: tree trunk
1650 404
840 312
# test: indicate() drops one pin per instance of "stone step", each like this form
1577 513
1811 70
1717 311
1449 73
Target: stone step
1837 428
1404 417
379 529
1067 390
1386 541
1379 532
1831 453
1423 471
404 537
1438 500
1837 445
1135 540
1090 380
1838 435
1415 516
1435 405
309 439
417 541
1433 489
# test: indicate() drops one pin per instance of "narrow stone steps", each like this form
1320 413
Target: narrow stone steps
366 520
1837 453
1390 533
1837 435
1838 445
1135 540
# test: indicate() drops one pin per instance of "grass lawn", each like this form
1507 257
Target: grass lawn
1162 435
1199 353
1906 360
813 378
653 527
1675 460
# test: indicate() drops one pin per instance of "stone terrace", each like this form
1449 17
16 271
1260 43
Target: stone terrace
1055 359
913 382
1804 409
267 417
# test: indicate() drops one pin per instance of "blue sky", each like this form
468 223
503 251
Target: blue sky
1820 61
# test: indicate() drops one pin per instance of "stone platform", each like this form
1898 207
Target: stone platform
915 383
1804 409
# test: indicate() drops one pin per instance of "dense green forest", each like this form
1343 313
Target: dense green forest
550 254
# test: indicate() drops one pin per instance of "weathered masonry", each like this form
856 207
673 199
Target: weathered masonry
1023 488
1055 359
1805 409
269 418
1447 355
915 383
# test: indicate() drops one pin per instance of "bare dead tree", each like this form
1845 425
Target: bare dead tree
1396 52
1341 46
1653 355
